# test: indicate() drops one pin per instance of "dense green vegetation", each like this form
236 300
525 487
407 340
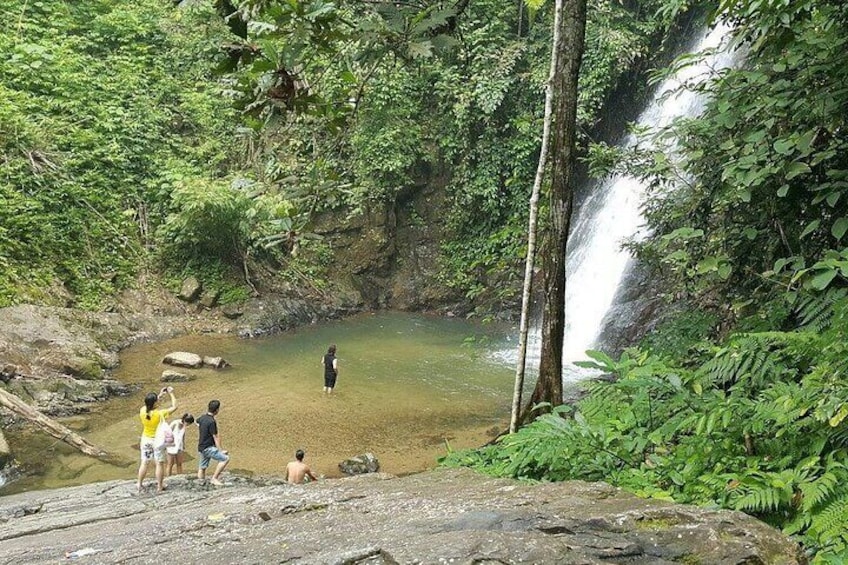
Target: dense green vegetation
102 112
120 153
460 106
121 149
747 408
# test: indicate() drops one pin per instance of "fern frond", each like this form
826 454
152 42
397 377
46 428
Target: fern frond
761 499
757 358
818 491
815 311
828 526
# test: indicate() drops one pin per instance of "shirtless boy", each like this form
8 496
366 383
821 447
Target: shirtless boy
297 470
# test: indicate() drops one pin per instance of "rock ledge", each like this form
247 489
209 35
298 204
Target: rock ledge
434 517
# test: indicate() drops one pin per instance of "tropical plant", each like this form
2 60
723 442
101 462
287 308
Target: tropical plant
757 424
100 103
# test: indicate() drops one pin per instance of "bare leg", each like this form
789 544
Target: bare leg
142 471
171 461
179 460
220 468
160 476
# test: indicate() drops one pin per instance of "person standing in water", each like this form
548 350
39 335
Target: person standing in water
297 470
209 445
331 369
150 421
176 452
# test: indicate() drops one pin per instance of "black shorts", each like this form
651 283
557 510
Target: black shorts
329 381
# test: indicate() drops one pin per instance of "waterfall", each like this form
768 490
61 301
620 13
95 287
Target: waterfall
596 264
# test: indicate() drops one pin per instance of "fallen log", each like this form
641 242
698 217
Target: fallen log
52 427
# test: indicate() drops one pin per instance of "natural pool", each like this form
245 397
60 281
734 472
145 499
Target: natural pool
410 386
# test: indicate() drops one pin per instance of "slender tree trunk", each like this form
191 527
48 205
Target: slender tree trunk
532 225
52 427
570 54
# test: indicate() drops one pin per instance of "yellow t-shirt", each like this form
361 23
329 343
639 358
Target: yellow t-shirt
151 424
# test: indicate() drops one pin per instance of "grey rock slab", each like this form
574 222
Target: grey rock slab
441 516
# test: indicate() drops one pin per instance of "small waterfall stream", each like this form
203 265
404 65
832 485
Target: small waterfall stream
596 263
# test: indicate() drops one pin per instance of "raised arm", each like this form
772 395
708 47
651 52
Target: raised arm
170 392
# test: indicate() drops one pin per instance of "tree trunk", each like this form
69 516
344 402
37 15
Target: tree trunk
570 54
532 225
52 427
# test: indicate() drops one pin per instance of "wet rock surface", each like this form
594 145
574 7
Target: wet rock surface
360 464
169 376
434 517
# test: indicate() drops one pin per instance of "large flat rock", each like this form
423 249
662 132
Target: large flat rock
435 517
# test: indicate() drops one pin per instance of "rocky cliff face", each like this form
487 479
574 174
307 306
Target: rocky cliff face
388 255
441 516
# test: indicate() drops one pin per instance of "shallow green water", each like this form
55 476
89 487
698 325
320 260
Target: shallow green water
408 387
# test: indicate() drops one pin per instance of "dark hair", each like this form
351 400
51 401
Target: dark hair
214 405
187 418
150 402
299 454
331 350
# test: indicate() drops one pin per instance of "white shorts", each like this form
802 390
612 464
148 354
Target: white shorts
149 453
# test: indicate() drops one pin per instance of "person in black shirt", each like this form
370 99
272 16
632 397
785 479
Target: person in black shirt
331 369
209 445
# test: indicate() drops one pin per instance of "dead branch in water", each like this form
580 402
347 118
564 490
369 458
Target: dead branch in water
52 427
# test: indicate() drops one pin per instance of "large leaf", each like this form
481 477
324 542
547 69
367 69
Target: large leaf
823 279
840 226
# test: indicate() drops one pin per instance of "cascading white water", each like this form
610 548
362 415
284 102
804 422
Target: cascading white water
611 214
596 263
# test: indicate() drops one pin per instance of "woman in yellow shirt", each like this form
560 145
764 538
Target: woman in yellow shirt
150 421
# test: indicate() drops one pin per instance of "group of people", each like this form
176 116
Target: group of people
163 443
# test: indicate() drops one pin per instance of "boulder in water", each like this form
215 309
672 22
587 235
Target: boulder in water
215 362
183 359
360 465
169 376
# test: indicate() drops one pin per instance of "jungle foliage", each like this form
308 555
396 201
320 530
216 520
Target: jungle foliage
118 152
356 105
747 408
122 149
